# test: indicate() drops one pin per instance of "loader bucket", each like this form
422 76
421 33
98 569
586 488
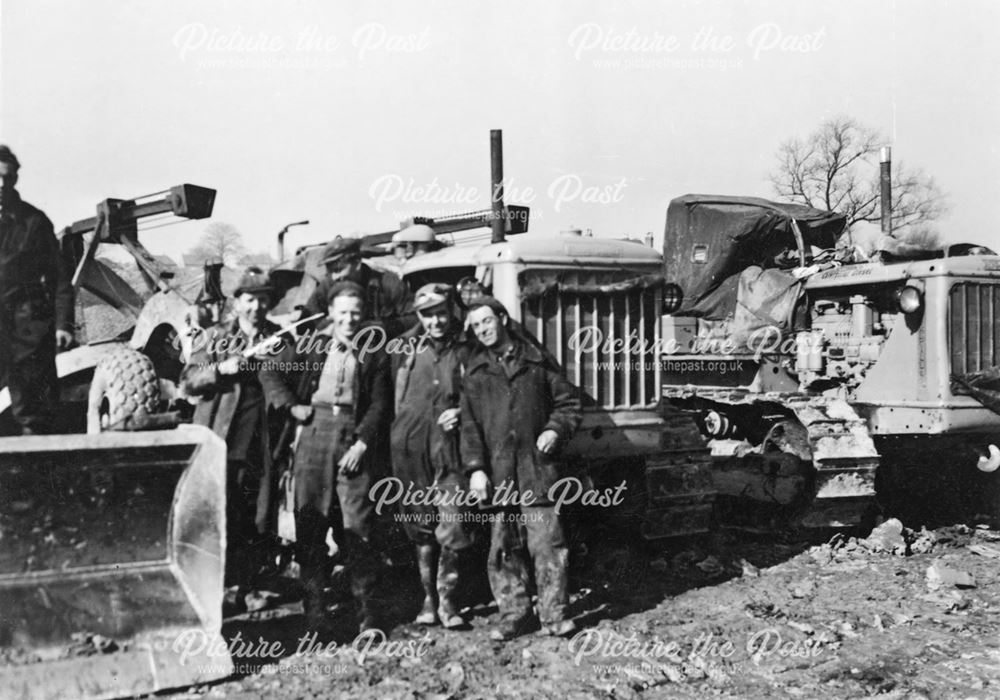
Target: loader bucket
111 563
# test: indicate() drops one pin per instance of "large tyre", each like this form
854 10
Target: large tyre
124 391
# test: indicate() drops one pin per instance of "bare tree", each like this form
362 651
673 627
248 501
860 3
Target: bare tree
836 168
222 241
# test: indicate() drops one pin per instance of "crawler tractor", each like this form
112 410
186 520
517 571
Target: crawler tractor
830 388
594 304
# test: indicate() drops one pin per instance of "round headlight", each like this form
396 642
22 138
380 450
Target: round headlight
909 299
672 298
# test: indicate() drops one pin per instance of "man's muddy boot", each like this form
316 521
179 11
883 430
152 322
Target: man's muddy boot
447 588
551 578
512 626
313 605
371 617
427 562
363 564
234 601
560 628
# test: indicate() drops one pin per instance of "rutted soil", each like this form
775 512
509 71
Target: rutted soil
729 617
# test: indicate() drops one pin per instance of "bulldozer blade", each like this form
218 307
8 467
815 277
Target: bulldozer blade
112 549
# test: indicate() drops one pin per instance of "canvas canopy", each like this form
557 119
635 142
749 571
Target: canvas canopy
711 239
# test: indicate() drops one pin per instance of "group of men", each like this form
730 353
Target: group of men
456 412
453 408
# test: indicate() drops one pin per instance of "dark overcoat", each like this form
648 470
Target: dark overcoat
422 451
236 407
36 298
502 417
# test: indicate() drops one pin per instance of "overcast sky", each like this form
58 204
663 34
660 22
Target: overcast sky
355 115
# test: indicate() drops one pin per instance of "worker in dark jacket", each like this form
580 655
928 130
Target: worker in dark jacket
517 412
235 393
428 382
345 409
36 305
387 298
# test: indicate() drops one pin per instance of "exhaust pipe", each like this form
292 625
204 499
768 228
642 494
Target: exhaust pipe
281 238
991 462
499 221
885 186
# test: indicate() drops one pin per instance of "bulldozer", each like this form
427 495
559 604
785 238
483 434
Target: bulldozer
566 290
833 387
594 305
112 534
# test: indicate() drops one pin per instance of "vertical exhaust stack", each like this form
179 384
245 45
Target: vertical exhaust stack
281 238
885 188
498 220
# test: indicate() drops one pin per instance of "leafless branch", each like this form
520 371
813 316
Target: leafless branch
836 168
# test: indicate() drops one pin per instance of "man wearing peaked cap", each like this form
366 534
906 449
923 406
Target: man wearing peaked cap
254 281
424 441
236 393
387 299
341 248
431 295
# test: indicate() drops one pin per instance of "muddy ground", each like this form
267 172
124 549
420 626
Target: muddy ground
732 616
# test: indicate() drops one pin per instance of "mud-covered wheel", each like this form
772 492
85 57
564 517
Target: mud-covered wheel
124 391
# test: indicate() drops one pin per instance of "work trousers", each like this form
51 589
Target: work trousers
246 545
28 363
325 499
526 541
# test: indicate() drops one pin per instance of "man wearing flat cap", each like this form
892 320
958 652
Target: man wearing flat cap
387 299
235 392
36 305
424 441
344 407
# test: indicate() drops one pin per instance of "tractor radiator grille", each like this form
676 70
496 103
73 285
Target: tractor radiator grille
613 373
973 331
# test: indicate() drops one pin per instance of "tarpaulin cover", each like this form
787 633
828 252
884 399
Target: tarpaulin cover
729 234
536 283
766 299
